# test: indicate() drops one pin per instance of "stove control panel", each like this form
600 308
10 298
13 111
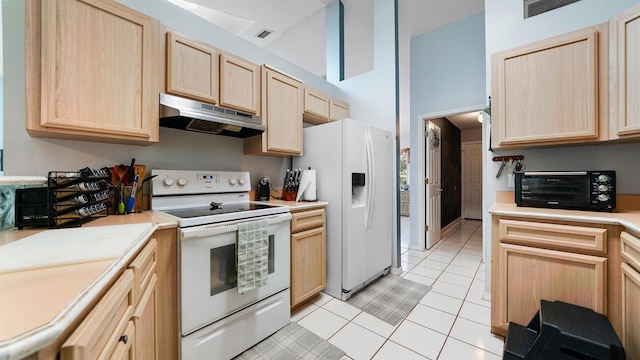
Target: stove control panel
178 182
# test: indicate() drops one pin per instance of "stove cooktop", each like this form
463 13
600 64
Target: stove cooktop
208 210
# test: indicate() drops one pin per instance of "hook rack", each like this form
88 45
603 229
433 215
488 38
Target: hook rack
507 158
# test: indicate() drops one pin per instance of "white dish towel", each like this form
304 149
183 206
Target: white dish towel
252 248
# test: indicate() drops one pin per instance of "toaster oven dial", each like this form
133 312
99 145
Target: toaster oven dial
603 197
168 181
603 178
182 181
603 188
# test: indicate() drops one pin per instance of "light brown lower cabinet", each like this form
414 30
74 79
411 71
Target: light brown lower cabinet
108 327
308 255
137 316
123 324
630 297
535 260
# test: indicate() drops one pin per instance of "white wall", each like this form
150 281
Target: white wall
371 95
506 28
304 45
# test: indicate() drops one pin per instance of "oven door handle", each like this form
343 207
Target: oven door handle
209 230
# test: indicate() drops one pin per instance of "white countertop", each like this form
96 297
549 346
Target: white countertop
630 219
41 263
22 180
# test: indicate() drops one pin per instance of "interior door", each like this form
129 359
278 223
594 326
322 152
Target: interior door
433 188
472 181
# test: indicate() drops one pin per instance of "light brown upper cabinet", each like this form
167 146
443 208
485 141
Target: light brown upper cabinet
625 107
338 110
320 108
192 69
92 71
239 84
553 91
316 107
281 115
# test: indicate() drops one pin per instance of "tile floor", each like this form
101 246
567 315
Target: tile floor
450 323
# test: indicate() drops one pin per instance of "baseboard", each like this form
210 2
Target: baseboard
444 232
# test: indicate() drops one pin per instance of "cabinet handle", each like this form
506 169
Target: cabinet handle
124 338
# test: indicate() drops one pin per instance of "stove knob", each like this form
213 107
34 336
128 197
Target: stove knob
168 181
603 197
182 181
241 181
603 188
232 181
603 178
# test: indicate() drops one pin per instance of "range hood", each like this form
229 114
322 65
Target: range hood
185 114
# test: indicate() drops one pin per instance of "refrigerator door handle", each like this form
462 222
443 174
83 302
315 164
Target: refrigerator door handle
371 179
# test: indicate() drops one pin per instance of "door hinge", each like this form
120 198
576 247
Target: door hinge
426 228
426 181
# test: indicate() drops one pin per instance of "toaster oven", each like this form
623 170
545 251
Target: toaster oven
576 190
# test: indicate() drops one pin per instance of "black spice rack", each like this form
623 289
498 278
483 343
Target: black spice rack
75 197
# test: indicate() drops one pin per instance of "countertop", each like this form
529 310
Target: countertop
68 268
630 219
297 205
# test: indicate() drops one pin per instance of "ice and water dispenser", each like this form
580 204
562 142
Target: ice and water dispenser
358 196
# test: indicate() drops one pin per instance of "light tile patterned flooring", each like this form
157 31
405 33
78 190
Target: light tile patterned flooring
450 323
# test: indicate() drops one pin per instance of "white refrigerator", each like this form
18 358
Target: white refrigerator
354 173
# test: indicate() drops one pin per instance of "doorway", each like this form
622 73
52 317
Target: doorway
472 180
432 183
441 214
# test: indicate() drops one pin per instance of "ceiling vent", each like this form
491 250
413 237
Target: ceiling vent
264 33
537 7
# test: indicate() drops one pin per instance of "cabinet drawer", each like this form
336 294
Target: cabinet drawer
100 332
124 348
630 249
144 266
553 236
307 220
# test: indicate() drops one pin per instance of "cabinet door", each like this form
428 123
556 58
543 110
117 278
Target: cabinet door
281 115
239 84
93 70
552 91
308 264
145 322
528 275
316 107
627 107
192 69
631 311
338 110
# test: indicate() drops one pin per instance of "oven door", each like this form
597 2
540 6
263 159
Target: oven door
208 270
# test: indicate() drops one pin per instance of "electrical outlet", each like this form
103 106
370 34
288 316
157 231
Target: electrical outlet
511 182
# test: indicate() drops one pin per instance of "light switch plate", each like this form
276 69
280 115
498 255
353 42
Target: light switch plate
511 180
